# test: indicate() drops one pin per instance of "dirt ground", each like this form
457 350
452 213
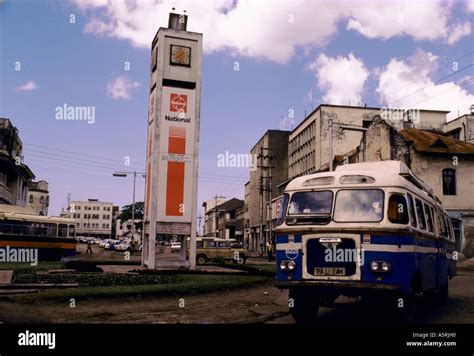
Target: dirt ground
261 304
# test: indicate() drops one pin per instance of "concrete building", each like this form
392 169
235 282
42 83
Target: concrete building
444 163
123 229
308 148
274 142
14 174
210 218
461 128
38 197
230 223
93 217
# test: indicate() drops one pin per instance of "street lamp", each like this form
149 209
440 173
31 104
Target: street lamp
123 175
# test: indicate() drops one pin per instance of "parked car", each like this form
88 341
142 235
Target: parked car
175 246
124 245
210 248
111 244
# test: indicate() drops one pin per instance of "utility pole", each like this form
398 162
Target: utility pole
330 144
261 189
123 175
265 186
215 215
270 222
199 224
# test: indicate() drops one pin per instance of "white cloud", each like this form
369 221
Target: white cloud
458 31
341 79
408 84
28 86
421 20
272 30
120 88
470 6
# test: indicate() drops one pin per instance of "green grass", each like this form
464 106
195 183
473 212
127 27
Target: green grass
92 279
182 285
42 266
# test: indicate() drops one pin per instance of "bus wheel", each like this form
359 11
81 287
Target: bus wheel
303 307
443 294
201 259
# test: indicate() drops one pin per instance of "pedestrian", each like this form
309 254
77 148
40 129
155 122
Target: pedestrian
270 251
89 247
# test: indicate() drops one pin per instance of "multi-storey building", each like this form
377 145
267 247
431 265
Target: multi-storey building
38 197
93 217
273 143
308 148
14 174
461 128
210 216
230 221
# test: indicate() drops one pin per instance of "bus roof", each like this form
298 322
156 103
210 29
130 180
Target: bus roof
15 212
383 174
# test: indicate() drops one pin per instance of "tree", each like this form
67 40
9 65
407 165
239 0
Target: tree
126 214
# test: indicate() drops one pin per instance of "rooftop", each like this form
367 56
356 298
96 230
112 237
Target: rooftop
431 142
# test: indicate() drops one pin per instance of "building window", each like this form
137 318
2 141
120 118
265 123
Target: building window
42 199
31 199
449 181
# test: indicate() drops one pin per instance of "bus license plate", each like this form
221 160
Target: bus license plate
329 271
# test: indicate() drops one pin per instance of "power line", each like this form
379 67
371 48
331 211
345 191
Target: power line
84 154
432 84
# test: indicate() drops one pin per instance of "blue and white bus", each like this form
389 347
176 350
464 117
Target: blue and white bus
366 229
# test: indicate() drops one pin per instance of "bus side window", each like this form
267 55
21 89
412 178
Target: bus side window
421 214
449 228
62 231
397 209
436 225
429 218
411 209
442 228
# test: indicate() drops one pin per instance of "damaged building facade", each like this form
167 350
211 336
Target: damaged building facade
444 163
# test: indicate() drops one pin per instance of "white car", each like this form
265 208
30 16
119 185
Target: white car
175 246
124 245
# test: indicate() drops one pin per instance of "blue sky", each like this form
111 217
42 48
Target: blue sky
370 61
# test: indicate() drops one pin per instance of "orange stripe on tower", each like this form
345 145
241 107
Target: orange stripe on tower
175 177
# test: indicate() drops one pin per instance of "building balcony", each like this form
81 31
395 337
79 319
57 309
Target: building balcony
6 195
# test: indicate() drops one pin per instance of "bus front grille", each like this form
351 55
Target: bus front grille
331 259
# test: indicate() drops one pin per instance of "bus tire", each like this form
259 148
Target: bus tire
443 293
304 307
201 259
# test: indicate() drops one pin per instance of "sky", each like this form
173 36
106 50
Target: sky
265 64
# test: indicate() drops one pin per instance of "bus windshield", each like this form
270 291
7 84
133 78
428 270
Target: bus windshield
362 205
303 203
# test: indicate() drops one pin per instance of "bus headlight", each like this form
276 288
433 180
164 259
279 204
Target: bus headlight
380 266
386 266
287 266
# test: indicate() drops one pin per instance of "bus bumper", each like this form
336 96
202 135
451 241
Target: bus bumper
338 287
